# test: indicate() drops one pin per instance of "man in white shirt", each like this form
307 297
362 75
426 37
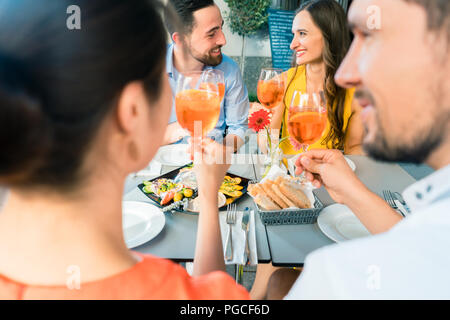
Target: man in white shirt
399 62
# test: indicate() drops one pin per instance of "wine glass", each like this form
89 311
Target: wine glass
307 117
217 77
270 89
197 102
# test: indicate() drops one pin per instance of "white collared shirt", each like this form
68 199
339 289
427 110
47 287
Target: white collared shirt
410 261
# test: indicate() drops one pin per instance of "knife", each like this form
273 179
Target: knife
245 227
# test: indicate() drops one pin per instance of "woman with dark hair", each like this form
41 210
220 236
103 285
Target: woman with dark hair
80 110
321 41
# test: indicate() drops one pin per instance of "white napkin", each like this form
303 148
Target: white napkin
291 164
152 170
275 172
238 238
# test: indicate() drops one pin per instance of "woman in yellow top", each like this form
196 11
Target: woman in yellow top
321 41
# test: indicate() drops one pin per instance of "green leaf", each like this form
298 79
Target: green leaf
247 16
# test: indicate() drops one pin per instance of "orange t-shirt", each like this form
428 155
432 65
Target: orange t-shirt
152 278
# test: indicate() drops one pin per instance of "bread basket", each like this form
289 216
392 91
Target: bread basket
292 216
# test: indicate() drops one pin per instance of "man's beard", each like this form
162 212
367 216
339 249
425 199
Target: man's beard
396 150
207 59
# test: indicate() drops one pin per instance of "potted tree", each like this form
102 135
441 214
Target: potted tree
286 4
245 18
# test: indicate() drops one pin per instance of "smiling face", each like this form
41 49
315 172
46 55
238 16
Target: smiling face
308 40
207 38
400 70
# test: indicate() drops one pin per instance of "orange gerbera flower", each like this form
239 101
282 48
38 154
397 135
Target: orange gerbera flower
258 120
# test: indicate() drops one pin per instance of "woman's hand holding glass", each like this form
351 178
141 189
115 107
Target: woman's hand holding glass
211 162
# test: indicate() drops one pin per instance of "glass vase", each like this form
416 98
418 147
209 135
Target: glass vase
273 156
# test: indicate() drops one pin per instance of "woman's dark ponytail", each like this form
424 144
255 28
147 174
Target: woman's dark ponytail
25 132
58 85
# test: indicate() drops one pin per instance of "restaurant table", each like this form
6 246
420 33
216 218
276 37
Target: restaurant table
285 245
177 239
290 244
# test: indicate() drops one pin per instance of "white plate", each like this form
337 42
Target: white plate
350 163
339 223
193 205
141 222
173 155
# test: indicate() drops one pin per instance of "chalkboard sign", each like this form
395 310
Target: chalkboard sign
280 31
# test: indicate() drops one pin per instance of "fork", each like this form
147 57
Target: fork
390 200
397 196
231 220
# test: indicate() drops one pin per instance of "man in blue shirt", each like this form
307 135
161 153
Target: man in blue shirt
200 49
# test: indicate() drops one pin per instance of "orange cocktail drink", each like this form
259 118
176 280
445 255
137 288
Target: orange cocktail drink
306 127
197 110
270 93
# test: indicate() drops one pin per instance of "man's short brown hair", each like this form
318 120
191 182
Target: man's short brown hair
438 14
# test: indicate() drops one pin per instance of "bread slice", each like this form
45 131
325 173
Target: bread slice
255 190
295 195
267 186
279 180
286 200
264 202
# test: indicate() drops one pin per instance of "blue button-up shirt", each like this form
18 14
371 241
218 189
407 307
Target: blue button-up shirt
235 105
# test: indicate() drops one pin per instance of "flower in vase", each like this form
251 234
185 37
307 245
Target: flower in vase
259 120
